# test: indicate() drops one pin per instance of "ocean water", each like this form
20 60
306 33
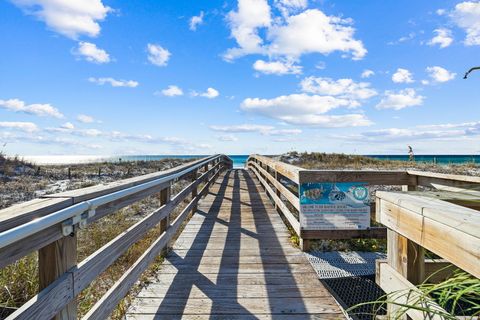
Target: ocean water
238 160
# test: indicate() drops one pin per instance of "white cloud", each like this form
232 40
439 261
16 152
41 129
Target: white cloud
172 91
277 67
22 126
195 21
423 132
406 38
288 7
211 93
114 82
242 128
244 24
42 110
367 73
466 15
227 137
68 126
290 36
441 12
402 76
439 74
400 99
85 118
158 55
329 121
284 132
305 109
314 32
443 38
90 52
262 129
67 17
344 88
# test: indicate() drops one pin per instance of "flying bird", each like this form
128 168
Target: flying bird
468 72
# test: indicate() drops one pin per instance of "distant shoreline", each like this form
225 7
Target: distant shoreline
238 159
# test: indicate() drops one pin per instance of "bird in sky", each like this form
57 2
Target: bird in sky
468 72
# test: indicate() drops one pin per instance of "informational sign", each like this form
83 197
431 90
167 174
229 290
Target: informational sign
341 205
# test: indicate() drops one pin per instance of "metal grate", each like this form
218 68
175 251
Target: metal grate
351 291
350 278
338 264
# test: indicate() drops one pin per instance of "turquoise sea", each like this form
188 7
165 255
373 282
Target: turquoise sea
239 160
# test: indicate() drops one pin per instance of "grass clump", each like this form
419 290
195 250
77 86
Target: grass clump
457 296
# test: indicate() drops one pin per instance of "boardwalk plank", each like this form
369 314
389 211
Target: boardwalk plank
235 260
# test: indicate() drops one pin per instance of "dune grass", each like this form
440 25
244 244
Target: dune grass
459 295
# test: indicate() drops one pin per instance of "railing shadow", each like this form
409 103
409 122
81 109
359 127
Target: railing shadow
264 226
188 276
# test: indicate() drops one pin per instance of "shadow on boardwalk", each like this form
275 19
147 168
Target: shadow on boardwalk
234 261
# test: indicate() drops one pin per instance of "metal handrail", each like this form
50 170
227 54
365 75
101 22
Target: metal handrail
20 232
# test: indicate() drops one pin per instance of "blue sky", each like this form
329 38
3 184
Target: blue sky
248 76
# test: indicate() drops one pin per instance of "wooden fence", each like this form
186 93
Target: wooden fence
61 278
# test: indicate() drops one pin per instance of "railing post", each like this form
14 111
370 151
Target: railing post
53 261
406 257
164 198
195 190
279 194
412 266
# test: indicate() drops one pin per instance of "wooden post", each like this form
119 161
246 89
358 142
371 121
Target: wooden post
194 191
405 256
305 244
164 198
279 194
53 261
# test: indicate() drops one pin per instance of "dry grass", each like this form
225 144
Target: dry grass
317 160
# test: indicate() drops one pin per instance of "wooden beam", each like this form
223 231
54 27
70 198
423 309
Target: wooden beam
285 169
406 257
377 177
164 198
446 229
53 261
281 189
339 234
405 293
294 223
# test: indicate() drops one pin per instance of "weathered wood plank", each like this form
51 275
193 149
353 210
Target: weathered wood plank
235 260
294 223
27 211
53 261
373 177
422 221
371 233
285 169
281 189
241 306
405 293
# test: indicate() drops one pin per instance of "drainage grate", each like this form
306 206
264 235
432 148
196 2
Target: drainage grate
343 264
350 291
350 278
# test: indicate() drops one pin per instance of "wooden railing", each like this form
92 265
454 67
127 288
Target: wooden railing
34 225
420 221
281 182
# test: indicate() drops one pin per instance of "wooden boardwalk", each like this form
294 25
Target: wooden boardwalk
234 260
